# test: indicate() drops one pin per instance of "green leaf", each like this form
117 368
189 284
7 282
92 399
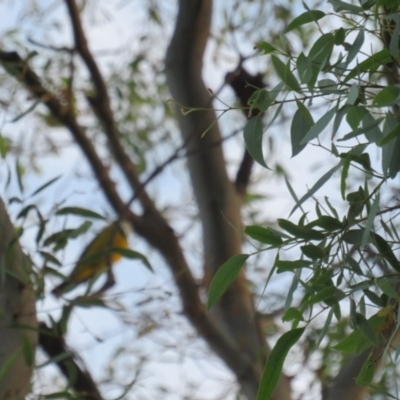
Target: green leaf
324 294
266 48
301 124
293 287
7 364
388 286
370 221
343 177
300 231
355 344
340 36
355 47
319 126
321 182
353 264
353 236
284 266
305 18
394 36
273 367
286 75
253 134
339 5
367 372
263 235
27 111
133 255
385 251
261 100
338 119
353 94
313 252
82 212
326 222
292 314
374 298
355 115
362 130
25 211
390 136
225 275
321 51
387 97
371 64
366 329
324 330
28 350
306 70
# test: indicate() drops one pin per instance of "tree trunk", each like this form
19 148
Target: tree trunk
18 324
218 202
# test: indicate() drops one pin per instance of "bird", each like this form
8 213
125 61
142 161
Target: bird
98 256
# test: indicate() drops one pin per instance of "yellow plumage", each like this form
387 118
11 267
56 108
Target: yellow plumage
97 256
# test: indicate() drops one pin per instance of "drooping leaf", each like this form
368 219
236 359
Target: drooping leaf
301 123
273 367
343 177
253 134
285 74
354 49
370 221
324 330
385 251
225 275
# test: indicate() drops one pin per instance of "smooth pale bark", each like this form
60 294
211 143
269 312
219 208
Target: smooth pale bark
218 202
18 324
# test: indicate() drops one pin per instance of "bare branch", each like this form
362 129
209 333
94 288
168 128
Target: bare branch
53 344
101 105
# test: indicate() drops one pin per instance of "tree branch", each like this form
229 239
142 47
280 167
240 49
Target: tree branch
101 105
151 226
52 343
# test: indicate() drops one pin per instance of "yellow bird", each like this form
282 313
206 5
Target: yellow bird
98 256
